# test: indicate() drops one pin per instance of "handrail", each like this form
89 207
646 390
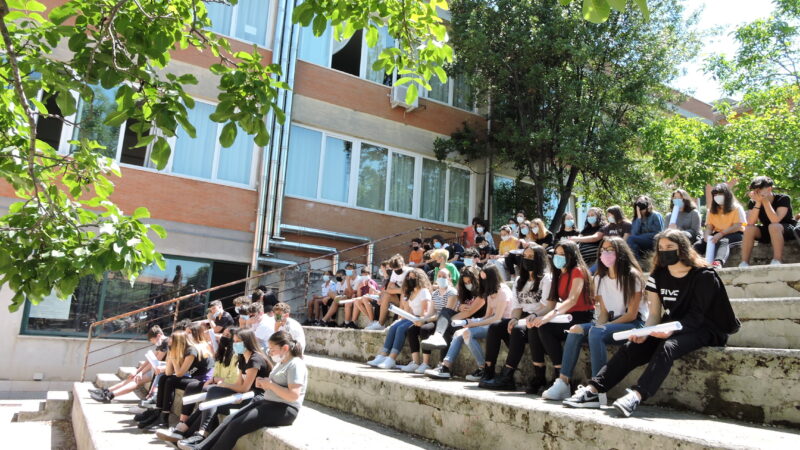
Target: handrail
368 245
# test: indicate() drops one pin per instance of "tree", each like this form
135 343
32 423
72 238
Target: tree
598 11
65 227
566 97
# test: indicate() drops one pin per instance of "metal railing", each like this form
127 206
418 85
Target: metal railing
290 284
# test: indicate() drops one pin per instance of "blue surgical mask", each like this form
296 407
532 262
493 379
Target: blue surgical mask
677 202
437 245
442 282
524 231
326 277
245 317
611 219
569 223
467 262
238 347
592 220
559 261
348 272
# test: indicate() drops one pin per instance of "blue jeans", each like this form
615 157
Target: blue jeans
396 336
475 333
641 243
598 337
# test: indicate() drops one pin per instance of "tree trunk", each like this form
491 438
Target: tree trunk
566 193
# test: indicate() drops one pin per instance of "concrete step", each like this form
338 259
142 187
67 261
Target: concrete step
762 281
458 414
762 254
106 380
123 372
767 323
753 384
101 426
56 407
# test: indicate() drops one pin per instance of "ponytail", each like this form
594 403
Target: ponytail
282 338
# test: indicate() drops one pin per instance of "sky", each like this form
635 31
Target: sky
724 15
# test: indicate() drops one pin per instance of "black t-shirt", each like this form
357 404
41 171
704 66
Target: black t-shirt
780 201
225 320
163 347
688 300
616 229
486 251
256 362
565 234
455 249
200 366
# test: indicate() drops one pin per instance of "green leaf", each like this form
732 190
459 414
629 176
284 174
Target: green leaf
412 93
228 134
61 13
160 153
66 103
565 2
618 5
39 105
33 5
158 230
116 118
372 36
596 11
642 4
140 213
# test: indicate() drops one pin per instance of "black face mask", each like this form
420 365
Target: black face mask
668 257
415 247
398 271
528 264
641 205
338 278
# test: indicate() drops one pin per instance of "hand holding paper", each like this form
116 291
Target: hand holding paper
229 400
404 314
660 328
562 318
190 399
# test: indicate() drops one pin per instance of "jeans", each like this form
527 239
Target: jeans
641 243
724 245
395 336
552 334
475 333
598 336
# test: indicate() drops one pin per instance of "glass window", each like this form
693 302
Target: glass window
401 189
458 201
235 162
439 91
221 16
336 169
372 177
434 175
195 156
462 97
302 170
252 17
315 49
90 119
384 41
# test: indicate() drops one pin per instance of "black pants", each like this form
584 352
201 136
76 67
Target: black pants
521 335
258 414
658 354
208 420
166 390
723 246
415 334
498 332
192 389
553 334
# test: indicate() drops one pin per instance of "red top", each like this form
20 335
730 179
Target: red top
565 286
469 236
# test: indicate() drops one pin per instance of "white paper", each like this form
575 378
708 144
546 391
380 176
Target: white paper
462 322
344 302
229 400
711 250
189 399
660 328
404 314
150 356
673 218
562 318
372 296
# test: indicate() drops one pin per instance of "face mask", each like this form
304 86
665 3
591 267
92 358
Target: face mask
238 347
339 279
442 282
642 206
326 278
437 245
677 202
608 258
348 272
719 199
668 257
245 317
524 231
468 286
592 220
513 226
569 223
398 271
559 261
505 238
528 264
520 219
535 230
467 262
277 359
479 229
415 247
611 219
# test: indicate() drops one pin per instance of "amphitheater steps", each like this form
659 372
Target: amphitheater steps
462 416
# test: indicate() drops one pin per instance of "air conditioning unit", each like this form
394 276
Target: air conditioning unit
398 98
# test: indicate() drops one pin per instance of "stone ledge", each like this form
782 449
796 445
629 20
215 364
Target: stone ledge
458 415
762 254
762 281
752 384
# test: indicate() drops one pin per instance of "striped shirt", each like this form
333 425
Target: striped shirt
440 300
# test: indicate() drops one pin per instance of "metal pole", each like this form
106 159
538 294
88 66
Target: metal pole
305 294
175 314
370 255
86 354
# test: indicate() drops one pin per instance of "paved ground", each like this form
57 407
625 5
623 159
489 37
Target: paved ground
55 435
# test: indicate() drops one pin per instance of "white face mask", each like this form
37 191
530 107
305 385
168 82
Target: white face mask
719 199
520 219
535 230
524 231
479 229
277 359
442 282
505 238
611 219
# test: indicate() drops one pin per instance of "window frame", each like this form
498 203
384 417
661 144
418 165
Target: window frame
270 31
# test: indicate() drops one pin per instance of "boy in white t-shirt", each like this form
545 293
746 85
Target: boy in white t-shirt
285 323
391 294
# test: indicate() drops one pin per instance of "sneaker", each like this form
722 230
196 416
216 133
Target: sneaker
378 327
332 324
583 398
441 372
151 420
627 404
387 363
191 443
96 391
476 376
717 264
378 359
136 409
743 265
558 391
149 403
374 325
169 434
422 368
412 367
101 397
146 415
775 262
434 342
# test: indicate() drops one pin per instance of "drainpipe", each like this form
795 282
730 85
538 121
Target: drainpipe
489 173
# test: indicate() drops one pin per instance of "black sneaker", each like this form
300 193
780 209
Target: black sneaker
627 404
146 415
96 391
476 376
332 324
101 397
441 372
153 420
583 398
190 443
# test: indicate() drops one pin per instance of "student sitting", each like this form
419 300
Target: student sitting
508 243
415 255
278 405
498 299
689 292
320 302
469 233
143 374
241 305
262 324
442 263
769 219
444 296
688 220
618 296
346 289
590 236
567 228
197 337
618 225
219 317
391 293
570 290
417 301
724 224
285 323
482 230
645 226
370 295
471 257
531 287
485 252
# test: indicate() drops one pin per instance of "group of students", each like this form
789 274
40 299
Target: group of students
262 355
554 306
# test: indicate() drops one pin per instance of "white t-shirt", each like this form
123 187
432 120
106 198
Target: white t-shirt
533 302
395 278
416 302
613 296
294 328
327 287
264 329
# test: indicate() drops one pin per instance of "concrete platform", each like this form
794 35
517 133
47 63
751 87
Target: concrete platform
757 385
109 426
762 281
767 323
762 254
460 415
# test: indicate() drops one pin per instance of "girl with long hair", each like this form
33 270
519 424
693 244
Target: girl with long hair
725 224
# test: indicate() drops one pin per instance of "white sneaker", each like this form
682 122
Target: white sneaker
422 368
387 363
743 265
435 341
412 367
558 391
378 359
371 325
375 326
775 262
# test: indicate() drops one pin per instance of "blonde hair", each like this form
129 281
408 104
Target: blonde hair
538 223
177 346
439 253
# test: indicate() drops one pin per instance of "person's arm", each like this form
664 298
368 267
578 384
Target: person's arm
591 238
170 369
452 301
602 312
636 226
494 313
471 309
185 365
245 381
774 215
658 222
755 209
572 299
633 309
290 394
653 317
516 313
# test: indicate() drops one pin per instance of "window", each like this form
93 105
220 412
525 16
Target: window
194 156
384 41
401 189
90 116
458 196
434 177
247 20
335 177
462 96
372 177
347 55
315 49
455 92
302 171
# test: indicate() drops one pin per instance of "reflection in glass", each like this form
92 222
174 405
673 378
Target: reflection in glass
458 201
401 189
90 119
336 169
372 177
434 175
